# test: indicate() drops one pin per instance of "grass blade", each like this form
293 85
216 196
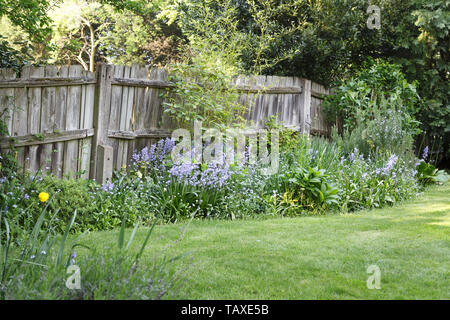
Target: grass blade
132 236
122 232
138 256
5 258
64 238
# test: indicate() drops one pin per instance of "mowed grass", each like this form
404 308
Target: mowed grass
318 257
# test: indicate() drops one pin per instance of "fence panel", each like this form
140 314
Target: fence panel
50 118
69 121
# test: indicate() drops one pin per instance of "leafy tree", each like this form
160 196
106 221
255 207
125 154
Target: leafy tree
29 16
85 32
328 40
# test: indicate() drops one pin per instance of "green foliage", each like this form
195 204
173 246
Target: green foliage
35 269
128 201
380 86
329 40
427 173
97 209
69 195
30 15
361 182
11 57
87 32
28 18
423 52
377 107
384 133
305 189
202 93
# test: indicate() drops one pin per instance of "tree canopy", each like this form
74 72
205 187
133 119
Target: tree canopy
323 40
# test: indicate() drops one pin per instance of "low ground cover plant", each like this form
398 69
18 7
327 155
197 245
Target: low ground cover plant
38 267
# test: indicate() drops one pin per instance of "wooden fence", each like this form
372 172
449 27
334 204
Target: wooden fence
65 120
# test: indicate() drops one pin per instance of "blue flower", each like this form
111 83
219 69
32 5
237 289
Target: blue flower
72 257
108 186
425 153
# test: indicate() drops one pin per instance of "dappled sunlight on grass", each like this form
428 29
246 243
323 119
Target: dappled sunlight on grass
314 257
444 221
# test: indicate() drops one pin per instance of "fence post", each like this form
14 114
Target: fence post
305 107
100 155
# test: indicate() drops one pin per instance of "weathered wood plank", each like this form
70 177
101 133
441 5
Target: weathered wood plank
72 122
281 98
7 98
160 84
296 104
269 89
46 82
116 102
153 112
134 82
166 121
130 120
42 139
305 113
102 113
60 123
142 133
48 110
34 119
122 145
20 115
141 95
88 123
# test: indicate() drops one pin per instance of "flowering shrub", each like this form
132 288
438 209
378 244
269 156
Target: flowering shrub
154 160
315 176
371 183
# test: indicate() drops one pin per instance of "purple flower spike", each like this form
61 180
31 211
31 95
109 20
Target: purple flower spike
425 153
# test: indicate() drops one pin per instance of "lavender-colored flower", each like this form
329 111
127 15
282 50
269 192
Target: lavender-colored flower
108 186
425 153
352 156
389 166
201 175
26 196
153 157
72 257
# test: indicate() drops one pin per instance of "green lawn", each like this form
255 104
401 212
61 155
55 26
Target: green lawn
320 257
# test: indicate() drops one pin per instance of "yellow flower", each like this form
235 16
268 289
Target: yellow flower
43 196
139 174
